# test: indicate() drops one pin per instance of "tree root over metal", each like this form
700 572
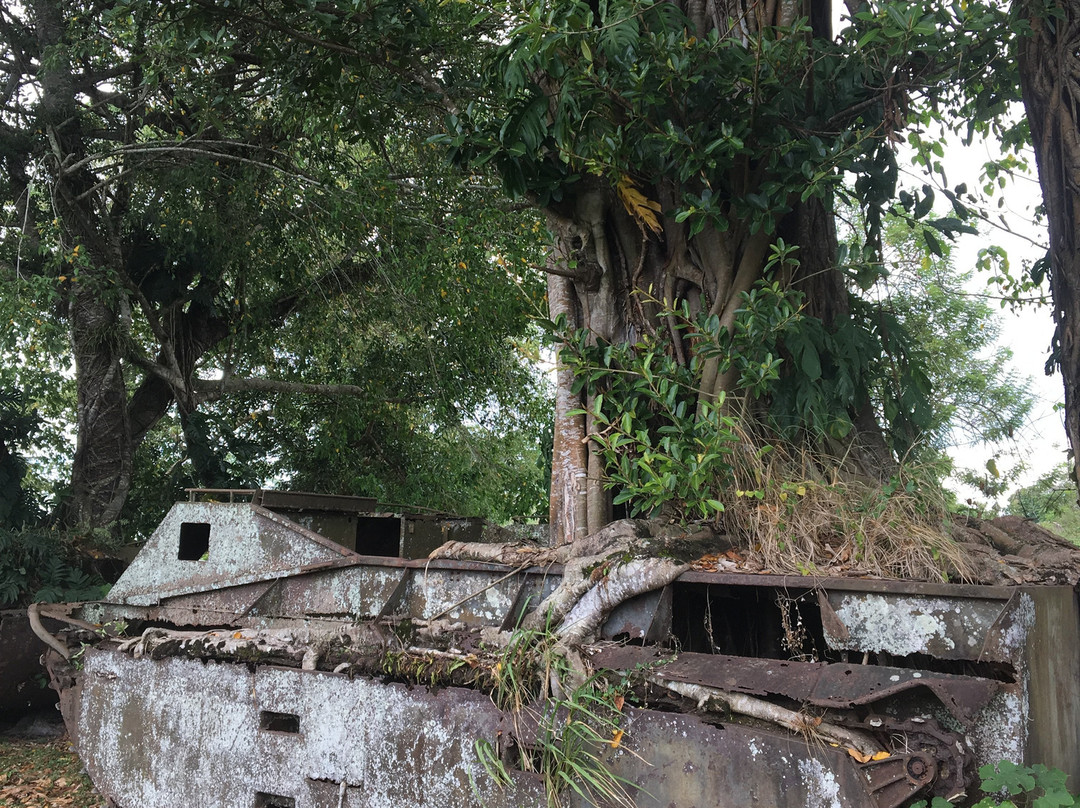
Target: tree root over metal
860 746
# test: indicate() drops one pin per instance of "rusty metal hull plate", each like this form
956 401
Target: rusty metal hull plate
473 597
359 592
169 733
692 764
820 683
240 543
165 733
901 624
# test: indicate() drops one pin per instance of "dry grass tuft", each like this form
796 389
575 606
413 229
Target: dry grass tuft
795 518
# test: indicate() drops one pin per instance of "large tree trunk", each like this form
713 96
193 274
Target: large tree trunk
98 306
569 493
110 424
616 268
1050 81
101 471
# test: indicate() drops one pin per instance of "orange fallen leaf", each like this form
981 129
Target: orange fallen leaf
616 739
859 756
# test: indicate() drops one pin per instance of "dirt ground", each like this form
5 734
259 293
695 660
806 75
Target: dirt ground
39 769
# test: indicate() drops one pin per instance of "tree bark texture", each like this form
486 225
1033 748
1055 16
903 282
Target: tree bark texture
101 471
1050 82
568 495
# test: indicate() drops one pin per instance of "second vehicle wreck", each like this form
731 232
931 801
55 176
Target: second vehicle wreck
246 659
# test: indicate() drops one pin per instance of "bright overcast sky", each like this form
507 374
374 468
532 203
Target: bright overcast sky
1027 330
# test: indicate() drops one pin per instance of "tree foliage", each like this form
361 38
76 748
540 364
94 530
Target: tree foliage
217 214
35 564
674 149
241 220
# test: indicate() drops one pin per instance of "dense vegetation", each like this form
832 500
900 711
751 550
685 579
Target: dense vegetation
307 244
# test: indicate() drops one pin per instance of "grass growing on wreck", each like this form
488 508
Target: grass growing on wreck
570 727
43 775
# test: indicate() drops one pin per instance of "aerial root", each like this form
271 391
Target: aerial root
709 698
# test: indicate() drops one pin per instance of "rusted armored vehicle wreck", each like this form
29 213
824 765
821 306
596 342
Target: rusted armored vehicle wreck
303 651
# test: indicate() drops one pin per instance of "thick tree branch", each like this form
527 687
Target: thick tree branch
213 389
208 151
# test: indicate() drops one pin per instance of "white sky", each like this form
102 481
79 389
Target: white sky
1027 330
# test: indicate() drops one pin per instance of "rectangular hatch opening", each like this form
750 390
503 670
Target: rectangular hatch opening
378 536
748 621
264 799
194 541
288 723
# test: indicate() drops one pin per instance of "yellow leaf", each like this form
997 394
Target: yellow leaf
859 756
616 739
639 206
801 490
880 755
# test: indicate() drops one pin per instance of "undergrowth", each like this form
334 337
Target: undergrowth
1008 785
36 565
797 519
43 775
561 733
753 429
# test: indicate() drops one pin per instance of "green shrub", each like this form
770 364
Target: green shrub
1008 785
36 565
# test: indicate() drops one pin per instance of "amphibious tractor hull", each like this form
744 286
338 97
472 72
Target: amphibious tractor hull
301 651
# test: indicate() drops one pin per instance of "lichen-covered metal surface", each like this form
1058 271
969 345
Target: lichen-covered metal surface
388 745
947 678
180 732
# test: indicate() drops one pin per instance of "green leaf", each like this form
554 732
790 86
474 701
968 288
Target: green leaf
811 362
933 244
1008 777
870 36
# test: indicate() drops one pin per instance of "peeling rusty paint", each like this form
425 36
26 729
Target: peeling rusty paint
399 745
159 729
245 544
822 684
907 624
